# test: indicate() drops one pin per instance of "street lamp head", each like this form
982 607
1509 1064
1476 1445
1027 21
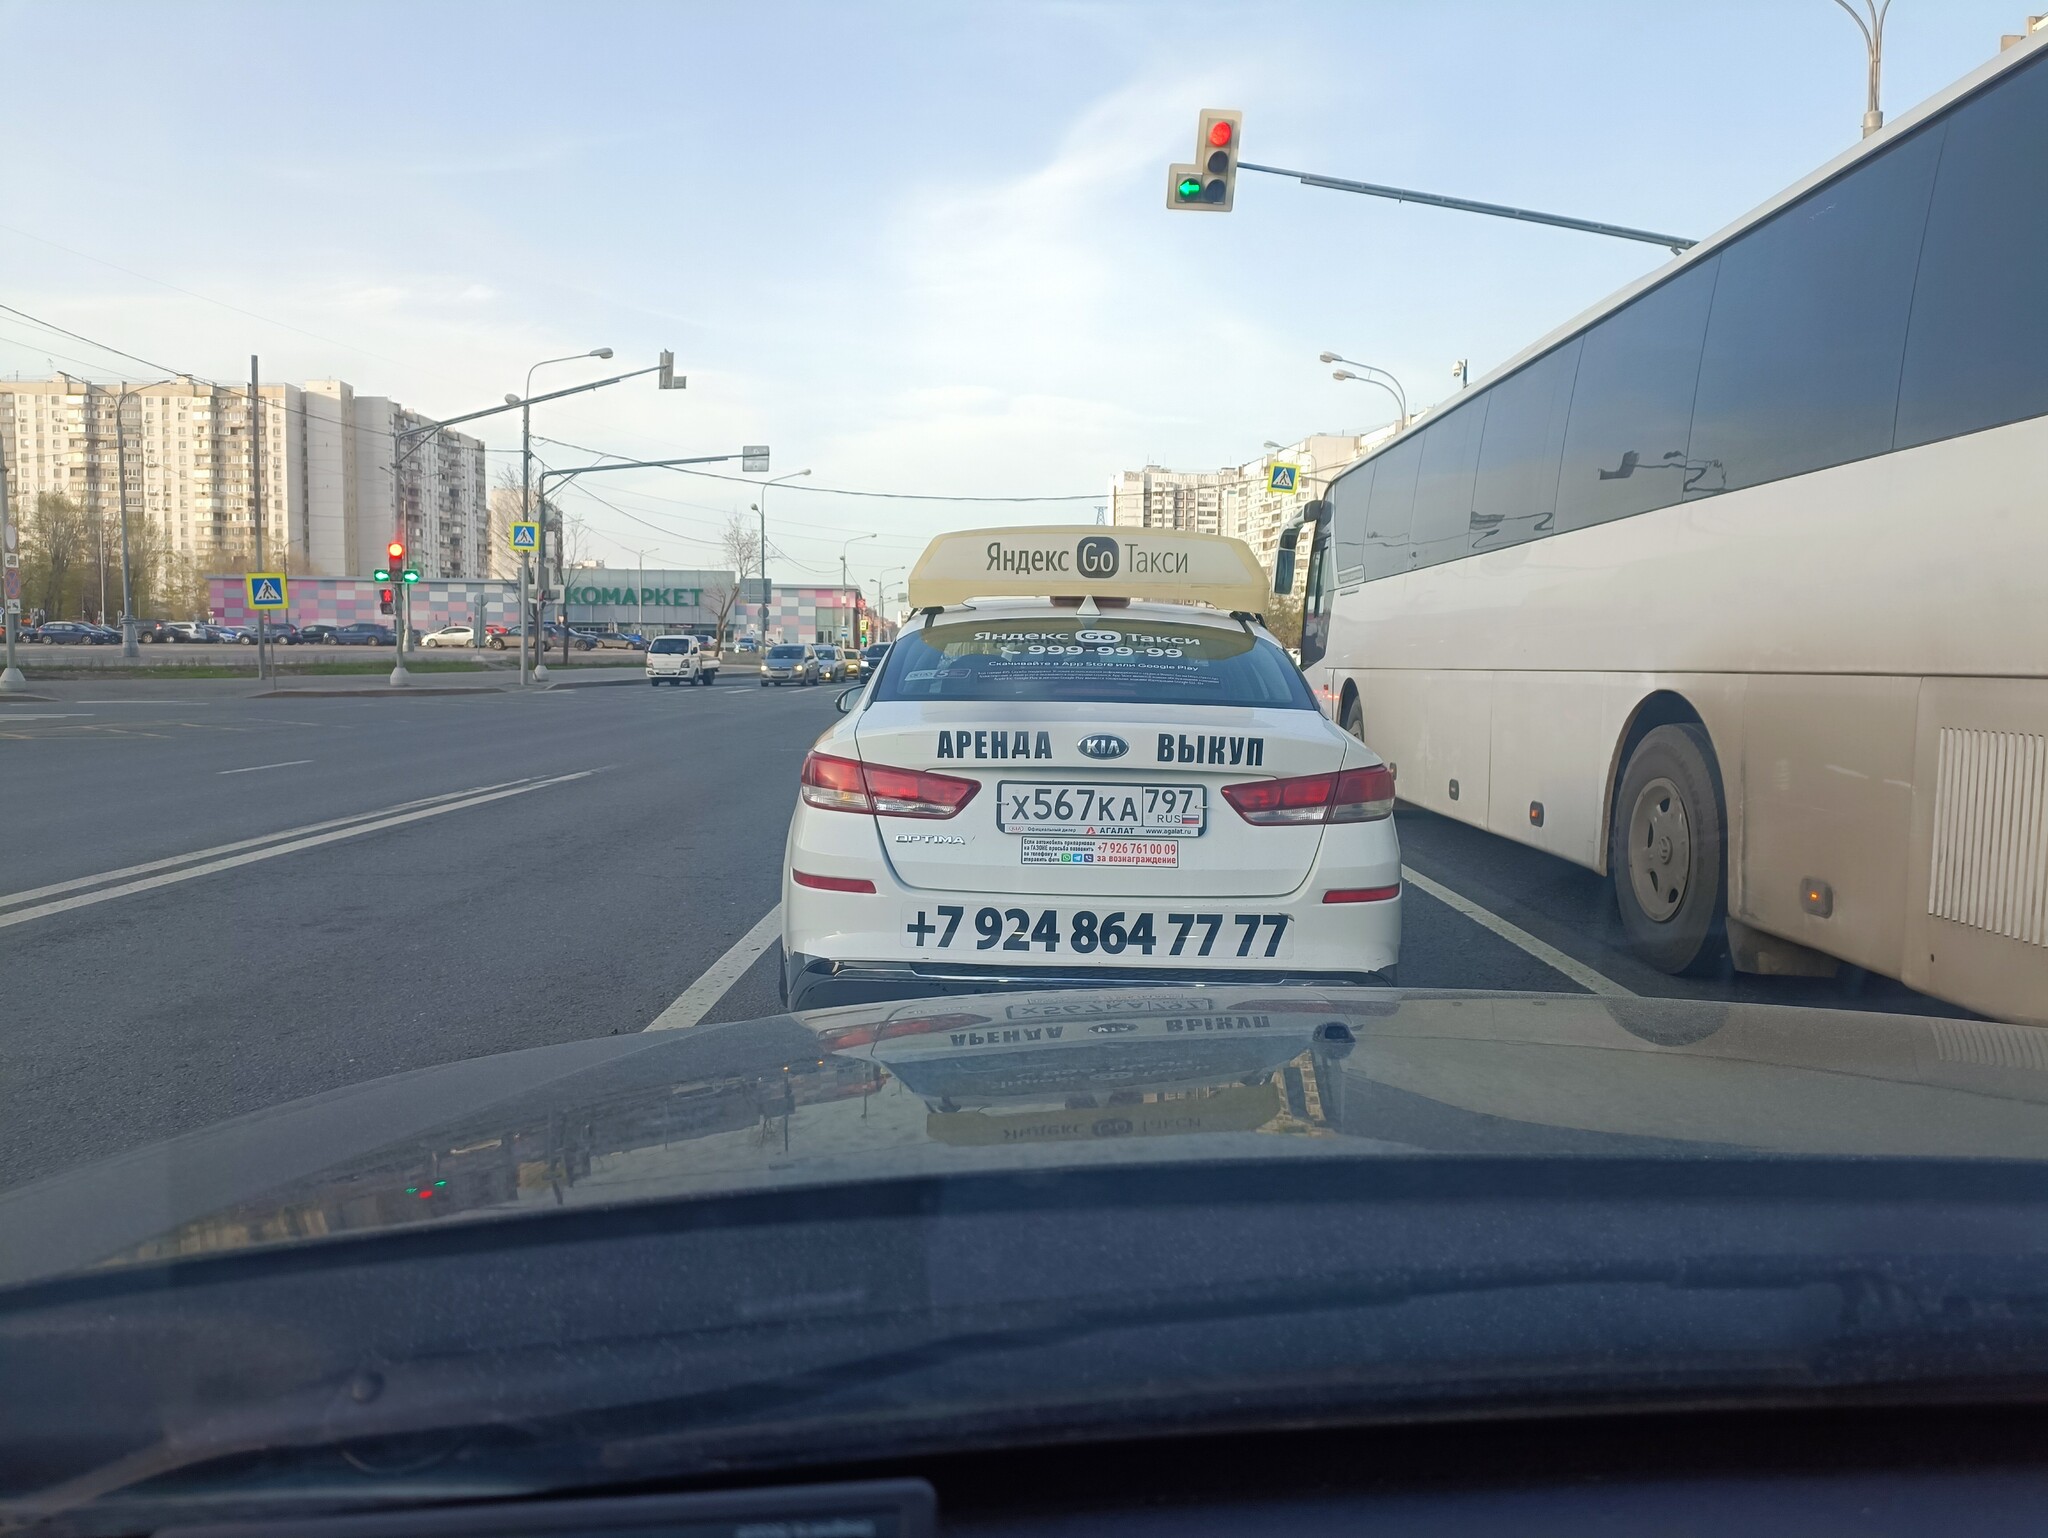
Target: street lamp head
511 399
1343 373
600 352
1329 357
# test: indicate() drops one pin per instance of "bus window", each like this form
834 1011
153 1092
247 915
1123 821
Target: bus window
1348 497
1441 529
1631 418
1801 367
1515 496
1315 605
1977 350
1392 504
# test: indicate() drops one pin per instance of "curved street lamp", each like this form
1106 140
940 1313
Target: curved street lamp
761 508
1385 381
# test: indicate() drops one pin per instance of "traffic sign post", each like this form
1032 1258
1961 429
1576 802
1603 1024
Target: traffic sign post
266 591
1281 477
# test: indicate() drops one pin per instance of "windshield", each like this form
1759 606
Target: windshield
1078 660
1445 597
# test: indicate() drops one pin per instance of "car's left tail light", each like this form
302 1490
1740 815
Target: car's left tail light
847 785
1355 795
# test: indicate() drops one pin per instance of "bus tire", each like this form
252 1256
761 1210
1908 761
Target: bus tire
1354 718
1667 851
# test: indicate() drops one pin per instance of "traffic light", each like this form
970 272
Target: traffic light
668 380
1209 183
410 574
384 598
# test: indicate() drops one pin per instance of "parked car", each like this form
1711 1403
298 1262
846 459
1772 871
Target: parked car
674 659
617 640
282 632
314 635
365 633
506 637
104 635
449 635
788 664
149 632
581 640
871 658
67 632
190 631
833 665
228 634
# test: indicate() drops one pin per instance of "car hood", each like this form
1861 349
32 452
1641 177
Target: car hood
1053 1079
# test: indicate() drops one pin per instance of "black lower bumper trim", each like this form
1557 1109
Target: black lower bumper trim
811 982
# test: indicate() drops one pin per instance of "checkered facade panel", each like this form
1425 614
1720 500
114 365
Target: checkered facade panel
346 600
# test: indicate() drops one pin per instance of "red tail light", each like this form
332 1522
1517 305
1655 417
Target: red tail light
846 785
832 883
1356 795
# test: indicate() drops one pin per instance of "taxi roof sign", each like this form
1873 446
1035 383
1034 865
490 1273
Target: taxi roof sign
1089 560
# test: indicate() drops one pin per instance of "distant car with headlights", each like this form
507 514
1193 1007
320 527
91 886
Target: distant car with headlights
1097 785
788 664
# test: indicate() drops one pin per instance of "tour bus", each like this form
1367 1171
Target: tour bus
1735 588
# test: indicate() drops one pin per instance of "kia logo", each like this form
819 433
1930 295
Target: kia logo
1098 556
1104 745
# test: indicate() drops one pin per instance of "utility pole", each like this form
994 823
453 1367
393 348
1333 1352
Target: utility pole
525 620
256 503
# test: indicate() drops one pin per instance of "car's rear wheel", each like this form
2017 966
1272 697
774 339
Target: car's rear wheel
1667 850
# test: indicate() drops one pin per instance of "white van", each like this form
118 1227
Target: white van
673 659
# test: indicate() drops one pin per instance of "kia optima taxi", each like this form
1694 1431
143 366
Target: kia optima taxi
1085 761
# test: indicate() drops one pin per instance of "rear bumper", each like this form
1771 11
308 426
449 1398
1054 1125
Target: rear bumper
813 982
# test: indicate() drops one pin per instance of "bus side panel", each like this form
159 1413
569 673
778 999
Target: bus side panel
1453 742
1825 787
1554 737
1397 706
1976 890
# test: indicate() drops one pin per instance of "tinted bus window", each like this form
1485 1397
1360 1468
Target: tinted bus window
1631 416
1387 514
1801 367
1441 528
1515 493
1348 497
1977 349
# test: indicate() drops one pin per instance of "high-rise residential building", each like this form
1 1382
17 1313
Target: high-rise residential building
329 495
1235 500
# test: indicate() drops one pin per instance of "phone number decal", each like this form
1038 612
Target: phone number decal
1086 932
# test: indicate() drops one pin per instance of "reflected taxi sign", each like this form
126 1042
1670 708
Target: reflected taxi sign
1090 560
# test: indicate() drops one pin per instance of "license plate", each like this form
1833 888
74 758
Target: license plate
1129 934
1079 809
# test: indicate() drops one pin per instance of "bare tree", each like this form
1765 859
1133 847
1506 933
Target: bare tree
740 544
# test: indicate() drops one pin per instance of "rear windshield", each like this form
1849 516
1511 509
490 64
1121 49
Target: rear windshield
669 643
1082 660
786 654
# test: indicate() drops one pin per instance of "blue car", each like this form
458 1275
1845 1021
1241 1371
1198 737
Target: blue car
363 633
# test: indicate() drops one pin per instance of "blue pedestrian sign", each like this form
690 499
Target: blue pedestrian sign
266 589
525 536
1282 477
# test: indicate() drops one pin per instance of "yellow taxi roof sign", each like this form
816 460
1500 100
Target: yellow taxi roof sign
1092 560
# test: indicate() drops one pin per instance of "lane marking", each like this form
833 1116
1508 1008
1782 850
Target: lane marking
695 1001
45 715
1514 934
150 883
290 763
9 899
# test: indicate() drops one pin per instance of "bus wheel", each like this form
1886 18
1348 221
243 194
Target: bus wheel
1666 852
1354 718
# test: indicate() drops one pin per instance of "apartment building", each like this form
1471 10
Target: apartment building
329 494
1234 500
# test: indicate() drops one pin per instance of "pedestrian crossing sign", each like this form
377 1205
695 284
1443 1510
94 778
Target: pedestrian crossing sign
266 590
525 536
1282 477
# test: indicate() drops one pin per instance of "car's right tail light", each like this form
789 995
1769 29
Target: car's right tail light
1353 795
847 785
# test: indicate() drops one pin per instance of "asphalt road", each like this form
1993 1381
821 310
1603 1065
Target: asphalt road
336 889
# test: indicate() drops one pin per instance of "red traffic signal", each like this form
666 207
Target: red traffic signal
396 550
1220 133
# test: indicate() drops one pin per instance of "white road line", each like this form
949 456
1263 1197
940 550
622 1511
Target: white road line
45 715
696 1000
290 763
1514 934
271 852
11 898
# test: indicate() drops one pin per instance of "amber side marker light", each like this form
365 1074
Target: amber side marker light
1817 898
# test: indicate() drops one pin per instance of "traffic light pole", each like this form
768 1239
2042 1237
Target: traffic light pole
525 624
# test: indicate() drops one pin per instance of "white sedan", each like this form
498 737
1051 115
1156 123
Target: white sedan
449 635
1027 795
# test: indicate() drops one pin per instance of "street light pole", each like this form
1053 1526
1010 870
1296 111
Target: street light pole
121 483
11 681
761 507
1388 383
843 584
1873 45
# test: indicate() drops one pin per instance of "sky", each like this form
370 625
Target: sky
914 248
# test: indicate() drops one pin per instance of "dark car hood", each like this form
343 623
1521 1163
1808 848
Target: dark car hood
1047 1079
